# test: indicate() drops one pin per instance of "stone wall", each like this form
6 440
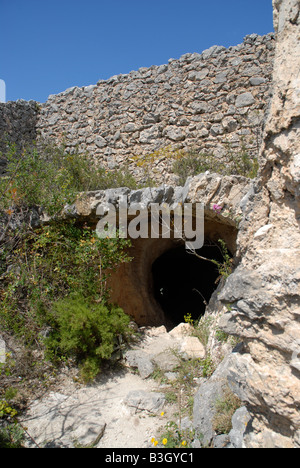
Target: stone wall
18 121
199 101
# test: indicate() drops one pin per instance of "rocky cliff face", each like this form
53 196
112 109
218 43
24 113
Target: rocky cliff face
263 293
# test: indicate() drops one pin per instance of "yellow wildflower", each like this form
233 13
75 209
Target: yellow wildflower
165 441
162 413
155 443
183 443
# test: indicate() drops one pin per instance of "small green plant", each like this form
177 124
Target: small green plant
221 336
188 319
174 437
11 433
202 330
225 267
208 366
225 409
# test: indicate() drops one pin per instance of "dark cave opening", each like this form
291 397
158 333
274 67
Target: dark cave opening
183 283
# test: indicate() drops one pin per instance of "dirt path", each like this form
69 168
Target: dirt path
102 414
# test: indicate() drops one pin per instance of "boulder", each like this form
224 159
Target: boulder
140 360
139 400
240 421
192 348
244 100
205 402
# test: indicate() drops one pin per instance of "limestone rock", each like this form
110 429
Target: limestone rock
262 295
244 100
61 421
140 360
2 351
240 421
139 400
192 348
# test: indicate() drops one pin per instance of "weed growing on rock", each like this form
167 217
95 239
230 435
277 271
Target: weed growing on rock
192 163
225 409
173 436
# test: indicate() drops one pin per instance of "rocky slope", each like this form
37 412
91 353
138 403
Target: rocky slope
263 293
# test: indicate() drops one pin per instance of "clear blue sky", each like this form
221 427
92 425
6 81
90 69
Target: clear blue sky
47 46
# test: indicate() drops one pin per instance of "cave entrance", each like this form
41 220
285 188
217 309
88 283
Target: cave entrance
183 283
164 282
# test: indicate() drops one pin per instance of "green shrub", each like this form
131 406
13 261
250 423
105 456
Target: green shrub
33 179
12 435
87 331
42 269
51 263
224 268
192 163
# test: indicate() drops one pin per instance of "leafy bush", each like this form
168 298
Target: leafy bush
11 433
87 331
51 263
192 163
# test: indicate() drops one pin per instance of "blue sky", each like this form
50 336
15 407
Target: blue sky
47 46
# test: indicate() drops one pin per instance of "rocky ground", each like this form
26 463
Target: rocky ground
124 408
130 406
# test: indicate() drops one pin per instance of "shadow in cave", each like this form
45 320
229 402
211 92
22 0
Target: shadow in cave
183 283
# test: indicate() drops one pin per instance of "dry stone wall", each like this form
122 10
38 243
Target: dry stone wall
200 101
18 121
